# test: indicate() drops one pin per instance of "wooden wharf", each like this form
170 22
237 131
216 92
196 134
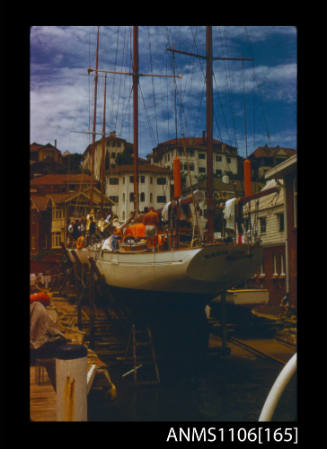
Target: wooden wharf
63 310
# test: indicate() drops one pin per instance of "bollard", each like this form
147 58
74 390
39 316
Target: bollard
71 383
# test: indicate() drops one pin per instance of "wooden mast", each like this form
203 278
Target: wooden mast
135 74
94 118
103 144
135 117
209 120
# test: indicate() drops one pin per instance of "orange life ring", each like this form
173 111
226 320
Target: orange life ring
80 242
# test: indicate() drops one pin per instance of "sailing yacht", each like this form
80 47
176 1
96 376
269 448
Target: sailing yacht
200 272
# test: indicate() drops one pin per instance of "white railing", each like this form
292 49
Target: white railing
277 389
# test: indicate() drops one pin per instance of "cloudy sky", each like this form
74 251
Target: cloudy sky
62 92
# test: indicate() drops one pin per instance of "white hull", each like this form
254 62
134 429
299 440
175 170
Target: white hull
245 297
205 271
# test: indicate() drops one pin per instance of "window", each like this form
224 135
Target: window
282 272
218 158
142 197
150 179
161 181
280 218
123 197
228 160
113 154
190 152
56 240
202 156
263 224
58 213
151 197
189 165
113 181
131 179
218 172
114 198
161 198
131 196
106 161
202 170
142 179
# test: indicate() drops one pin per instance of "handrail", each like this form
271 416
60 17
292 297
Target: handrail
277 389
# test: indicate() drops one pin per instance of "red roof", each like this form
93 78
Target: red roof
272 151
58 179
37 146
192 141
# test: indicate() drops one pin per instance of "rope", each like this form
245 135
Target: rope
244 103
257 84
146 113
153 91
228 79
175 93
190 179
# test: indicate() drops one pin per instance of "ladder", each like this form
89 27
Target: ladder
140 343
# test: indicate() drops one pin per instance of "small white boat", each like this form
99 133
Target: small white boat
245 297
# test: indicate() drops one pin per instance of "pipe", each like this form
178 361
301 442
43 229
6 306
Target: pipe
277 389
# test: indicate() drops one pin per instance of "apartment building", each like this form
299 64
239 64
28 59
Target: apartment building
192 153
154 188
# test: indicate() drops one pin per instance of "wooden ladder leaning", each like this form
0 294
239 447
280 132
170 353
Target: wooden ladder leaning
142 338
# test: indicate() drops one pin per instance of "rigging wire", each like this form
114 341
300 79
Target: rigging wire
229 84
146 114
244 105
121 81
175 95
257 86
153 91
113 90
168 60
202 67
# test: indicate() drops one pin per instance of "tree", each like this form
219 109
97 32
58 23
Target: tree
72 163
125 157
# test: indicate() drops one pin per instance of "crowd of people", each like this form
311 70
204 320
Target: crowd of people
149 226
85 231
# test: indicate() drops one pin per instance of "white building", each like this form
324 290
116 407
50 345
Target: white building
192 153
267 215
113 146
154 188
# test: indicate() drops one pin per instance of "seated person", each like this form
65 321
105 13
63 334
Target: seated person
136 230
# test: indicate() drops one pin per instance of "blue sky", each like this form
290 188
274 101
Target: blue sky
61 91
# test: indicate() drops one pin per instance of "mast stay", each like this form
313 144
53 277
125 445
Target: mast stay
135 74
209 119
